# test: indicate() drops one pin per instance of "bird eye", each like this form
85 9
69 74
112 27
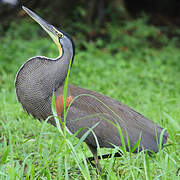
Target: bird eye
59 35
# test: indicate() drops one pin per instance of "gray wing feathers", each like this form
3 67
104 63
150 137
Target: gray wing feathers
86 111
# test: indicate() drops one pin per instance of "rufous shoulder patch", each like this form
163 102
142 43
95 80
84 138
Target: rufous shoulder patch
60 104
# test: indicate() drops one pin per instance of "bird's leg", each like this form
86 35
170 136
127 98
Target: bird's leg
97 164
104 156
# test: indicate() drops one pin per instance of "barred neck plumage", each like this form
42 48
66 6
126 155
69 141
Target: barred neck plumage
38 77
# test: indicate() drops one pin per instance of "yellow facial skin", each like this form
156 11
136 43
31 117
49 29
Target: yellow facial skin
56 40
50 29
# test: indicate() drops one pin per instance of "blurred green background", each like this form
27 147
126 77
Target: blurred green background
127 55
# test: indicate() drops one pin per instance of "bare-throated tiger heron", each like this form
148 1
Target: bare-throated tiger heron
39 76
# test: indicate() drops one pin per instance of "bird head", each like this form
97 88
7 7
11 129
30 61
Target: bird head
61 39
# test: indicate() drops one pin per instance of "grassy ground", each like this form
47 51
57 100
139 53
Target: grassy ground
137 65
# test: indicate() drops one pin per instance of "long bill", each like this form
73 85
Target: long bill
50 29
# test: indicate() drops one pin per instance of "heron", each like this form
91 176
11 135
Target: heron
40 76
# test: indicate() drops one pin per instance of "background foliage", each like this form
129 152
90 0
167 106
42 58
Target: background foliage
129 60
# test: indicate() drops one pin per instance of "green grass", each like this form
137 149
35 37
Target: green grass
136 64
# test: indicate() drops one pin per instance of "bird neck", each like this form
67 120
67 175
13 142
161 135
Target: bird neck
61 67
36 80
